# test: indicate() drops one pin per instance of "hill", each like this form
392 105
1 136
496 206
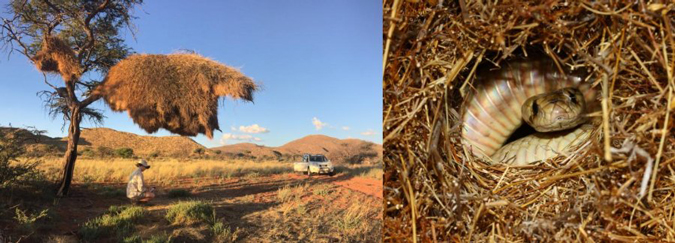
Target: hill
339 150
175 146
96 139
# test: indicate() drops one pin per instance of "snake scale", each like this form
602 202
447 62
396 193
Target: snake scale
494 110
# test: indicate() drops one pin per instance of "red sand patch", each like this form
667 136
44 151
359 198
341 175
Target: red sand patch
368 186
372 187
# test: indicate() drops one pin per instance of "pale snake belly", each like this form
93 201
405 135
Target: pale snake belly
493 111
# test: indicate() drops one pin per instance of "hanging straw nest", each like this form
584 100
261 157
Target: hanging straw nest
177 92
619 187
56 56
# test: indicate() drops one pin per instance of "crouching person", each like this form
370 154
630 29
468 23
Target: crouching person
137 191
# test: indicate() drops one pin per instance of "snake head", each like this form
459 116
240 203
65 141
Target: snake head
555 111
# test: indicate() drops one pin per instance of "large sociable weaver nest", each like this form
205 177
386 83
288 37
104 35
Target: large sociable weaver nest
178 92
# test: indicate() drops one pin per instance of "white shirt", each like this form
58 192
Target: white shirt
136 185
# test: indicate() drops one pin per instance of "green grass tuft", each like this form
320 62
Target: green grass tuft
118 219
190 212
160 238
222 233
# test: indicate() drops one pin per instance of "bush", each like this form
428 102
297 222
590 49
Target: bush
87 152
124 152
27 220
199 151
190 212
104 151
154 154
11 147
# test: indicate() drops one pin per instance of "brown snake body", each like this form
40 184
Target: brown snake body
494 110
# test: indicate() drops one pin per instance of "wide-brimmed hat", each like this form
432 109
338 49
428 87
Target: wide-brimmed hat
143 163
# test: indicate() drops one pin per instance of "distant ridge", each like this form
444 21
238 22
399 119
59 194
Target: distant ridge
338 150
142 145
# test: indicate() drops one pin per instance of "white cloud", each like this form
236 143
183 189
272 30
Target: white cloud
253 129
346 128
318 124
234 129
370 132
245 137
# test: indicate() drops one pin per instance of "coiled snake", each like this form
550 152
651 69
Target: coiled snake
534 91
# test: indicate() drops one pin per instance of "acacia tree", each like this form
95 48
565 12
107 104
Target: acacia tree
90 29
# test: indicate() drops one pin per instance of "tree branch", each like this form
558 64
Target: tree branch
93 97
47 82
90 34
57 16
52 6
7 25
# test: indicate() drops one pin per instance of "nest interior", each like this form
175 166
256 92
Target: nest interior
619 186
177 92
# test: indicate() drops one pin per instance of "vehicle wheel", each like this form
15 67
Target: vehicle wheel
331 173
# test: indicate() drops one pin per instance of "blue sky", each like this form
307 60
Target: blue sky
319 63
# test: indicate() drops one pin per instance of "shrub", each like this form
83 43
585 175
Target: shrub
27 220
199 151
124 152
154 154
87 152
190 212
11 147
104 151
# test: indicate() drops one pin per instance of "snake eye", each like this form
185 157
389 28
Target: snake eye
573 98
535 108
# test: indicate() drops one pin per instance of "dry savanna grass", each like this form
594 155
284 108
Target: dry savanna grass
302 212
164 171
617 187
320 213
208 201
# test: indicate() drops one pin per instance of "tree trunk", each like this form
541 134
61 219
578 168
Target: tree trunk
71 151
